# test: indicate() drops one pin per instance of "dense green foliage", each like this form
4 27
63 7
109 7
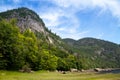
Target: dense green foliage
19 49
92 53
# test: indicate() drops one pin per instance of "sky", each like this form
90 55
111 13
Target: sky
75 19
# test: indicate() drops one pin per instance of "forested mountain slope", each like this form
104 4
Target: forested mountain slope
95 52
25 40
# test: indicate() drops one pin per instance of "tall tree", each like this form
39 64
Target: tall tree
9 45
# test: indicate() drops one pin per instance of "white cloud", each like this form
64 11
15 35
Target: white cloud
58 20
12 5
76 35
72 3
51 19
51 16
17 1
71 7
6 7
112 5
100 35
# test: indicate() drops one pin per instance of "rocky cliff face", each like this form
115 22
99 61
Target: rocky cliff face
26 18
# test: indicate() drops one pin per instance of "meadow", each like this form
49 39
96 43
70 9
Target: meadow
44 75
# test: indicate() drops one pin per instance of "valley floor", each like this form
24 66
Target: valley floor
44 75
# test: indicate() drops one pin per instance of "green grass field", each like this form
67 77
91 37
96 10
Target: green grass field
44 75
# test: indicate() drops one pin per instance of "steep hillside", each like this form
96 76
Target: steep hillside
97 53
25 40
28 19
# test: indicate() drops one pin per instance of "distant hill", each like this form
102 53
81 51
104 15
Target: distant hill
97 53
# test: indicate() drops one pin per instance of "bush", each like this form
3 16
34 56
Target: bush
26 68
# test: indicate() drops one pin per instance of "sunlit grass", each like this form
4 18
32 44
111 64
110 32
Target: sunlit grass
44 75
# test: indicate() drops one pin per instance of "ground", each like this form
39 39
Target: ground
45 75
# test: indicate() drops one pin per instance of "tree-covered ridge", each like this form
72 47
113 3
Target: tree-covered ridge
93 52
19 49
21 12
27 18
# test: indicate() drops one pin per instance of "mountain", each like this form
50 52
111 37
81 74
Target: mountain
31 38
97 53
69 41
31 43
28 19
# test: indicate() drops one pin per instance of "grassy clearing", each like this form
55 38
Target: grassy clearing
44 75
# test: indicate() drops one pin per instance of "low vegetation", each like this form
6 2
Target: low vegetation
44 75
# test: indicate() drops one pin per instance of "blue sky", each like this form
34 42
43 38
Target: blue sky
75 18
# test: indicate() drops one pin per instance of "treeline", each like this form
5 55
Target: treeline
19 49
